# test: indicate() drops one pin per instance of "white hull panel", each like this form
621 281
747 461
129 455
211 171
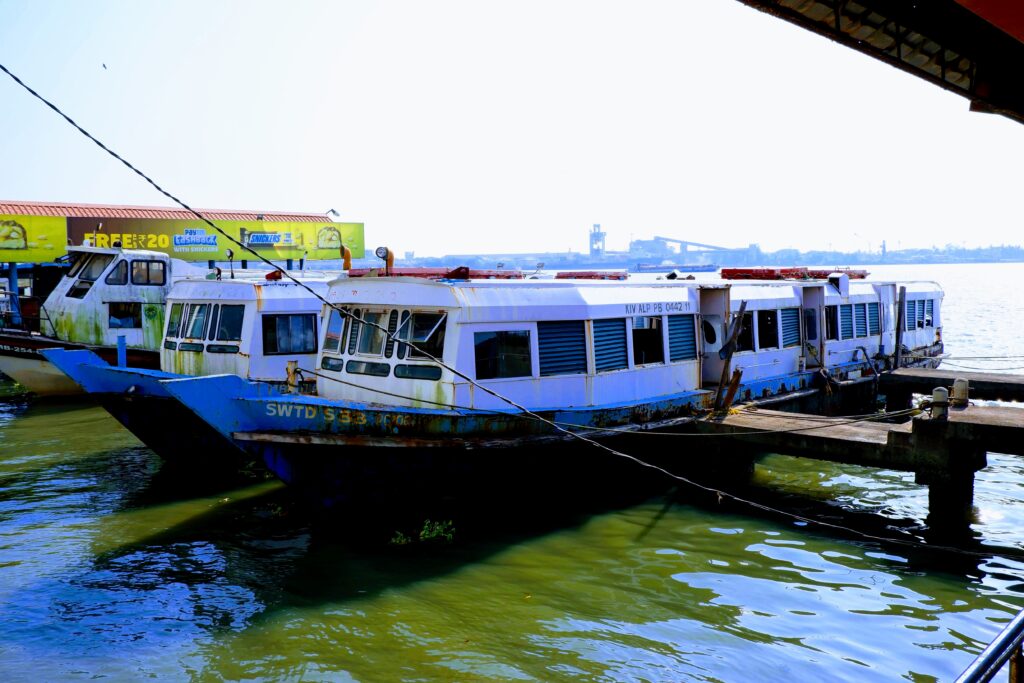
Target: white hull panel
38 376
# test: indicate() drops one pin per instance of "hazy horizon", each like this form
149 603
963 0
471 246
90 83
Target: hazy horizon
460 127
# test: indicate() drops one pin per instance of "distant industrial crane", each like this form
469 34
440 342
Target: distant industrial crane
684 244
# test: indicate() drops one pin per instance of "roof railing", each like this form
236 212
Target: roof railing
1006 647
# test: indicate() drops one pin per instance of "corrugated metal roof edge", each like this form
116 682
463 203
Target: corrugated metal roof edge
70 210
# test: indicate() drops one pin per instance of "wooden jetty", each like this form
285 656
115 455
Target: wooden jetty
899 385
943 448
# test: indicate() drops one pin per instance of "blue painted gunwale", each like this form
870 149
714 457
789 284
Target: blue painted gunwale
234 405
96 376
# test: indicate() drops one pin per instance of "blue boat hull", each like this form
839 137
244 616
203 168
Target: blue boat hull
336 452
136 398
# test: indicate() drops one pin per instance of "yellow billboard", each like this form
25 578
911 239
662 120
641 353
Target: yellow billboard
194 240
32 239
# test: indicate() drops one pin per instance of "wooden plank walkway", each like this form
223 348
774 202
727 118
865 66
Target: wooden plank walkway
984 385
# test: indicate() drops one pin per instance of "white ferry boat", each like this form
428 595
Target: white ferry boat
608 359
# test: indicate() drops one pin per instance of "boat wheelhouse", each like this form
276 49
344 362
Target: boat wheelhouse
106 294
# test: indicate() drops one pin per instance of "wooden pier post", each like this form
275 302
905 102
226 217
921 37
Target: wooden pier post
725 353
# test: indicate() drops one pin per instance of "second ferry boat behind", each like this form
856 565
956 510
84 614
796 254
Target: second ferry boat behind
250 328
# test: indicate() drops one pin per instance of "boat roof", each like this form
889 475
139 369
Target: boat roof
114 251
494 300
245 289
510 300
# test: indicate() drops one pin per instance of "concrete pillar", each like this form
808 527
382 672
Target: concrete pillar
950 501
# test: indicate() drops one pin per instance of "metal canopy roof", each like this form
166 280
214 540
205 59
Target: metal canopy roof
115 211
974 48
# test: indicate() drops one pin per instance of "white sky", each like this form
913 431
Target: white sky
479 126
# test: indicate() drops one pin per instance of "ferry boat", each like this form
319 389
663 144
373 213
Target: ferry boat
250 328
107 293
608 359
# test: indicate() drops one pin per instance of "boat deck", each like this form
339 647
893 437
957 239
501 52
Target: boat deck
984 385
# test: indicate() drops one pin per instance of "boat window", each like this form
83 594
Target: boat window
874 324
648 343
431 372
745 339
831 323
710 336
190 346
148 273
789 319
768 329
335 332
88 274
229 324
929 313
124 315
860 319
174 320
682 337
502 354
610 345
291 333
362 367
403 348
195 326
353 334
213 321
811 324
171 346
371 337
846 321
222 348
912 316
78 260
389 343
562 347
426 331
119 275
335 364
92 270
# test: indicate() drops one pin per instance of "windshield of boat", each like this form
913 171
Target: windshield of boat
88 270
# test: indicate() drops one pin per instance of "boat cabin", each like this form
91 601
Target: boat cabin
769 340
542 343
247 327
108 293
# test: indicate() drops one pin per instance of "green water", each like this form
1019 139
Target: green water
114 566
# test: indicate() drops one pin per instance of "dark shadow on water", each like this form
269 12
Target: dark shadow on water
959 552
